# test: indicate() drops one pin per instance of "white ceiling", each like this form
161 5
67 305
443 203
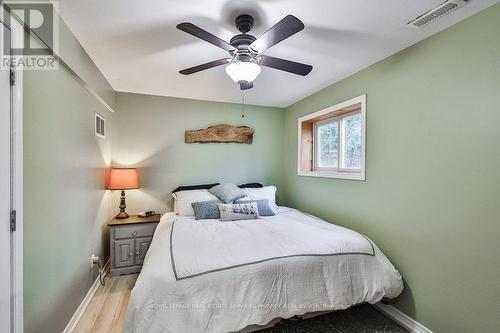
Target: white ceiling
138 48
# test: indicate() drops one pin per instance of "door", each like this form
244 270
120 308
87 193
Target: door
5 192
124 252
141 248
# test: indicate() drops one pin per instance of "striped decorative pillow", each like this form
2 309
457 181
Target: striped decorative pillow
234 212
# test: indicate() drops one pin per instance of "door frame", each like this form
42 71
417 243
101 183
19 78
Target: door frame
16 243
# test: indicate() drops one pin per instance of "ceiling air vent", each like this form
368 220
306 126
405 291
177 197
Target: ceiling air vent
437 12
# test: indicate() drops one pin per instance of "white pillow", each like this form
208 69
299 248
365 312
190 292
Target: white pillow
263 193
184 199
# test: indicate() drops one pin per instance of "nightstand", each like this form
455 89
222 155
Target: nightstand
129 240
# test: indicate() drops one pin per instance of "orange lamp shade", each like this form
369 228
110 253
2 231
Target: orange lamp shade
123 179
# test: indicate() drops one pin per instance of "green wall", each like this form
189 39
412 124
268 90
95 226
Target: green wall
431 199
149 131
65 204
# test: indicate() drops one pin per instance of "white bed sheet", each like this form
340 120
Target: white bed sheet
225 276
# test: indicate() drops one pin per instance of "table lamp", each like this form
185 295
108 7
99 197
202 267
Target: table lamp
123 179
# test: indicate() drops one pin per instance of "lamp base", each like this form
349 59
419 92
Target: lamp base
121 215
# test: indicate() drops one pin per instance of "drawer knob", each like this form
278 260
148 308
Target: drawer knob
137 252
131 254
134 233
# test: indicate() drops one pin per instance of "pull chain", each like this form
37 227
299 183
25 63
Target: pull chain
243 104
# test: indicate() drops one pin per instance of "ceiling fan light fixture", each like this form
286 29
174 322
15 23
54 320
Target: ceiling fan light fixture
243 71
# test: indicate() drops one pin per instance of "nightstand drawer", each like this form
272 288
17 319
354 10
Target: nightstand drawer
139 230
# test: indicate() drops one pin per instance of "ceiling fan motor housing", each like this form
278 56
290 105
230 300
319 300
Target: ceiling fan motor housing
242 41
244 23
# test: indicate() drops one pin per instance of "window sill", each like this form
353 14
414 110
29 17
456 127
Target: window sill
334 174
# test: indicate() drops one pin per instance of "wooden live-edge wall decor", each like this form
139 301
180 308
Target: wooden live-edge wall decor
221 133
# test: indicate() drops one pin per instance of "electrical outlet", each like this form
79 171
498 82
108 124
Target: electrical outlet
93 260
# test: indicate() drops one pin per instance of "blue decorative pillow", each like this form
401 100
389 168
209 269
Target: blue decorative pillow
204 210
263 205
227 192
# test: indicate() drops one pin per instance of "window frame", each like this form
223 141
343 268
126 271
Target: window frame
338 114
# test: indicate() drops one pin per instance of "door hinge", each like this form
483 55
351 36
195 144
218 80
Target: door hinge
12 77
13 220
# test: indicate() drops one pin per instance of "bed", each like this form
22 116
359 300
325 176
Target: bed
213 276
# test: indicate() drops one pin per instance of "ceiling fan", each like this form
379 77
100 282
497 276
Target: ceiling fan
245 51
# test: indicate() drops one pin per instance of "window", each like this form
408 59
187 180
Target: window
337 143
332 141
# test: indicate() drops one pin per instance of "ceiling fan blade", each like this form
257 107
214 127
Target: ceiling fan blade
207 65
205 35
285 28
285 65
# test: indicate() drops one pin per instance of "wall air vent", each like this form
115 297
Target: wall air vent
435 13
100 126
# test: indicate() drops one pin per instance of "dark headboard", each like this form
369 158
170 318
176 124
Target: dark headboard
209 186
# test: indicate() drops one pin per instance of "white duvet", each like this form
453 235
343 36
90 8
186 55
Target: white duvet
213 276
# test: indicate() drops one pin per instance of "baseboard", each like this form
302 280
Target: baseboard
86 301
409 323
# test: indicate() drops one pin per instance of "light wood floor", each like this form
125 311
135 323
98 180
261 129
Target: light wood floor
106 311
